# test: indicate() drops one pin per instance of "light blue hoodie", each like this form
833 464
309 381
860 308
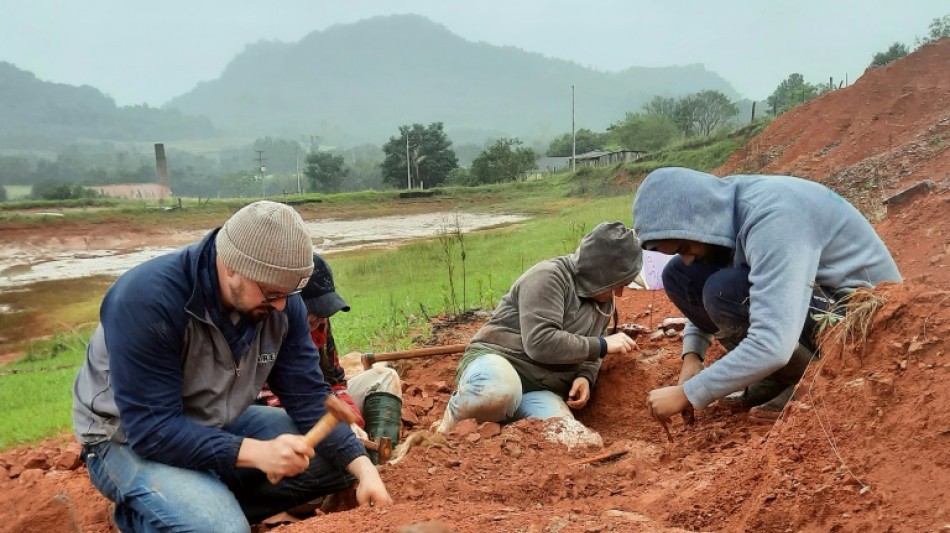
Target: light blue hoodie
792 234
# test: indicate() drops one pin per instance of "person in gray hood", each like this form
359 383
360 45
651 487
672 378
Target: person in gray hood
760 260
545 341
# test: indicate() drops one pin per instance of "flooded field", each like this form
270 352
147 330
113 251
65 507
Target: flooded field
25 263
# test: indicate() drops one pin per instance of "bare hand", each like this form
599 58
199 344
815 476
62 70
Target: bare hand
620 343
667 401
370 488
580 393
691 366
285 456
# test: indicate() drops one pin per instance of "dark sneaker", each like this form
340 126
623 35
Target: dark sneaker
758 393
772 410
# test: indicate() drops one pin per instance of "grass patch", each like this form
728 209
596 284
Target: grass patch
36 391
392 292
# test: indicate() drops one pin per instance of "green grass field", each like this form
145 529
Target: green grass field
390 291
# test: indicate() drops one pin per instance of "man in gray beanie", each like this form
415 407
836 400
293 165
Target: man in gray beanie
164 402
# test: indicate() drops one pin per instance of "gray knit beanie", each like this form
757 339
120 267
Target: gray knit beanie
267 242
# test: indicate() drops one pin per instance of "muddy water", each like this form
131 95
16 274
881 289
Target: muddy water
22 265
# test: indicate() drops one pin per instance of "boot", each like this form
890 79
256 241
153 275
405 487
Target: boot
773 387
756 394
772 409
383 414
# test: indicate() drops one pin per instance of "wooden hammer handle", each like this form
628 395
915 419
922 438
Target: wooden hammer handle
368 359
337 411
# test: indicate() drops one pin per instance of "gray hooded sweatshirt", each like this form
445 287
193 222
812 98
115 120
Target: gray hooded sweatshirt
547 326
791 233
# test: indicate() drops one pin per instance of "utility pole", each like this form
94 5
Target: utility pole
408 174
573 135
260 164
297 164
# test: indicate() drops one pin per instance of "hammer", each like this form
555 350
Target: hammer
383 448
369 358
337 411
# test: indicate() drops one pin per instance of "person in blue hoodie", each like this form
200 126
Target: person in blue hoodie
163 404
759 261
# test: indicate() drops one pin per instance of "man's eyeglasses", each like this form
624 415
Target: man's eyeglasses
273 297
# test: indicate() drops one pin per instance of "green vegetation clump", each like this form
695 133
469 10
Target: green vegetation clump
36 391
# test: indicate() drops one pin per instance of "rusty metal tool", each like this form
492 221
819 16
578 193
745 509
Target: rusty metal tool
369 358
337 411
383 448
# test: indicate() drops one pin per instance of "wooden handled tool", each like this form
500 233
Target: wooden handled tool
383 448
337 411
369 358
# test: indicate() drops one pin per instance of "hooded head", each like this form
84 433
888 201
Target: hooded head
320 294
679 203
607 257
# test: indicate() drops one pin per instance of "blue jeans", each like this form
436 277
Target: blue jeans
716 300
156 497
489 390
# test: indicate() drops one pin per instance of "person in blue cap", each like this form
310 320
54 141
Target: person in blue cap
380 384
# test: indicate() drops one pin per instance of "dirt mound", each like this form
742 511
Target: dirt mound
865 450
887 131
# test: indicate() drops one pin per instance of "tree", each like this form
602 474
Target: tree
939 28
643 131
60 190
586 140
661 106
239 184
895 52
325 172
790 93
712 109
3 193
505 160
430 156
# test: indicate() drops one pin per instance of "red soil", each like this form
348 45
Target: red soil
864 447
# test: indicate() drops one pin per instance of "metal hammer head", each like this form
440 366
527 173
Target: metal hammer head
338 408
368 359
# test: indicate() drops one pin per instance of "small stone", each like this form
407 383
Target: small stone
32 475
68 461
36 459
489 430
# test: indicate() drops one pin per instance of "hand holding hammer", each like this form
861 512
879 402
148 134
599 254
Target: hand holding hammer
337 411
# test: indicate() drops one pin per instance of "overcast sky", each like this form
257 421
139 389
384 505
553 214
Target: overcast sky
139 51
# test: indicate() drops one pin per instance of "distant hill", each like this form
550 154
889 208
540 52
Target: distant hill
359 82
36 114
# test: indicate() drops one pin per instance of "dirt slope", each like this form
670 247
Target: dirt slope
864 447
